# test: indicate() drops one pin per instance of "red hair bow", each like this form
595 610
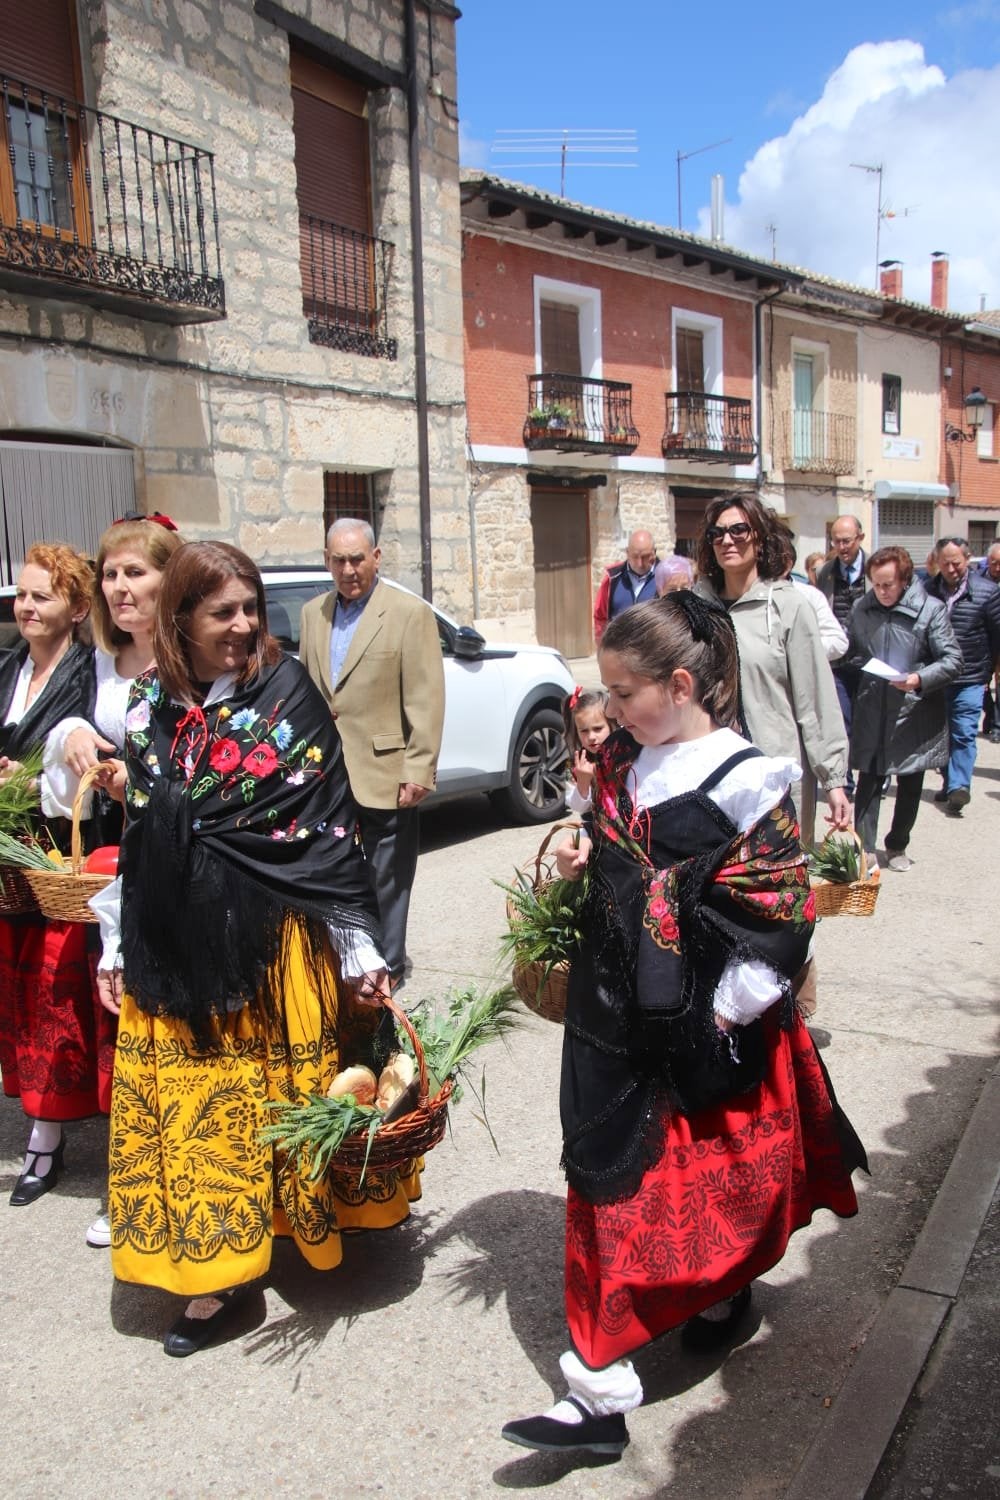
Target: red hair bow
574 697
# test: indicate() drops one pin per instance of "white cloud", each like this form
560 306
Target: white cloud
935 138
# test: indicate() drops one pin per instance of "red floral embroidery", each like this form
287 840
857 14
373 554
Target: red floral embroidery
224 755
658 918
261 760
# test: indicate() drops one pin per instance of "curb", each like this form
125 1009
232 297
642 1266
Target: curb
842 1460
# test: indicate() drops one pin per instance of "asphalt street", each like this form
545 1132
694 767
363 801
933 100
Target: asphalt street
394 1374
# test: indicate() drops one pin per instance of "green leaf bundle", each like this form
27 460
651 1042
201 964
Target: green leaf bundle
835 860
19 796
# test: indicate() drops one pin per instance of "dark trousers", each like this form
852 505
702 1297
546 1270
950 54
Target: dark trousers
845 697
867 800
391 841
989 711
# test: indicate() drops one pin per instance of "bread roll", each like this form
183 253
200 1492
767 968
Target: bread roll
359 1081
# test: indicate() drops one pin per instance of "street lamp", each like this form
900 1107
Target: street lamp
975 411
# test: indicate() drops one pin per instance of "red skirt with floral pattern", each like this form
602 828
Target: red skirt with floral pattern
718 1209
57 1042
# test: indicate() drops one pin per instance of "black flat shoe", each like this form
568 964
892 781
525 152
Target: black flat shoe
592 1435
31 1185
701 1335
941 796
188 1335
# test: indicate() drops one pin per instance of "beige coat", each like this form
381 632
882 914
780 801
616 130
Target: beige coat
389 701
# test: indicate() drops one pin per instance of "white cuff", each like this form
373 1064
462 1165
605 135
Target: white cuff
107 906
59 784
358 954
746 991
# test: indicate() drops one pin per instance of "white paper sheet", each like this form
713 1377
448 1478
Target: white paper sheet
882 669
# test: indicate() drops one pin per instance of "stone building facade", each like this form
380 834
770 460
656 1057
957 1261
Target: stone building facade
236 424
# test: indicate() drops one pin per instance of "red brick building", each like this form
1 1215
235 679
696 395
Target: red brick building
611 383
970 458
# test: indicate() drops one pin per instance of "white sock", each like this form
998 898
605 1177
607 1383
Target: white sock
719 1311
616 1388
44 1139
565 1411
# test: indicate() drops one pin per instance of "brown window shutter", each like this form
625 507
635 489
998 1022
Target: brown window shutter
38 45
560 329
690 360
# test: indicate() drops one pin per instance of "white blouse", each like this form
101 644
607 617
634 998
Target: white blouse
745 794
59 783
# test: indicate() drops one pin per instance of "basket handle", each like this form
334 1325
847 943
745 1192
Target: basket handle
402 1019
87 780
543 847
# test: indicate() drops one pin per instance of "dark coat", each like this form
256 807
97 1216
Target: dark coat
893 731
975 619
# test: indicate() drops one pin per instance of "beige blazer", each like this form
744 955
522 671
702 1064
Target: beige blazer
389 701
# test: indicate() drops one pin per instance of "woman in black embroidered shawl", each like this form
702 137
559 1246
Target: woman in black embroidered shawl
244 899
698 1129
49 1019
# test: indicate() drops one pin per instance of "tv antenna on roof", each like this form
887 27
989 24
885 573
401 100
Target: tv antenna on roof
683 156
564 148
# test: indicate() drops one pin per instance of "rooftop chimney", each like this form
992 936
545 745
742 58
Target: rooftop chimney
939 279
892 278
718 207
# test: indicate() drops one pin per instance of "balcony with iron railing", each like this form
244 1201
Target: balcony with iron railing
710 429
819 442
345 288
573 414
103 211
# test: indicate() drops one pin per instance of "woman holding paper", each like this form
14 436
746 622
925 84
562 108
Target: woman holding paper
900 724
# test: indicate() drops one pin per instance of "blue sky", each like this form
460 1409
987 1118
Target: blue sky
801 90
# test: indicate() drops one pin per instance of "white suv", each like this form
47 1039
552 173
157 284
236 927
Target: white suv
503 730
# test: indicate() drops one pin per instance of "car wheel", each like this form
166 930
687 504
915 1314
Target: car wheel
537 790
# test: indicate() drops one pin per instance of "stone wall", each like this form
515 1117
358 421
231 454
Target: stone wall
235 421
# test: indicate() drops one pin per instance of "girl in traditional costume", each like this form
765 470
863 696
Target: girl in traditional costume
249 960
699 1130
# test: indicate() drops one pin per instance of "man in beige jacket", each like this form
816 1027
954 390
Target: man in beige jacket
374 652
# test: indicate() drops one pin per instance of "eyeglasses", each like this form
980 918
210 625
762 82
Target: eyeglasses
739 531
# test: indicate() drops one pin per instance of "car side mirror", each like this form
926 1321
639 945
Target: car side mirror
468 643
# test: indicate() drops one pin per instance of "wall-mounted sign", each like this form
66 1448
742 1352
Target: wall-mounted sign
897 447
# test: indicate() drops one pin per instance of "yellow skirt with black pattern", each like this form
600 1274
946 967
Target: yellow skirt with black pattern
194 1198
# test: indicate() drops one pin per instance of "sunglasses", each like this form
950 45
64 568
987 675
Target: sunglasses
739 531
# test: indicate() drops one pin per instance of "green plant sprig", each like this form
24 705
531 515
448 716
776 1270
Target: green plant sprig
835 860
19 796
29 854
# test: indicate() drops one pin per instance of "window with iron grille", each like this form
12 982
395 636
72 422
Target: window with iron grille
39 131
892 396
344 267
348 495
982 535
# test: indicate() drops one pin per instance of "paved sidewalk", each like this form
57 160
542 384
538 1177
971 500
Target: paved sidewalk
395 1373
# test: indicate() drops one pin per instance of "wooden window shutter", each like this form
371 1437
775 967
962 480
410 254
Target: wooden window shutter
331 146
38 44
560 330
690 360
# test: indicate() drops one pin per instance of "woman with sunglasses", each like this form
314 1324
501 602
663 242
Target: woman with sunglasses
788 693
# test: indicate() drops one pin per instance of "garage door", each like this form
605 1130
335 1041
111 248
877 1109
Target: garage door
909 524
51 492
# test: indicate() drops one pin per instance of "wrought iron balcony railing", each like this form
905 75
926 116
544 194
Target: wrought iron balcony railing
574 414
105 211
345 284
819 442
713 429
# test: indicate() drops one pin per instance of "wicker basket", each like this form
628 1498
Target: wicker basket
62 895
400 1141
852 899
542 986
17 898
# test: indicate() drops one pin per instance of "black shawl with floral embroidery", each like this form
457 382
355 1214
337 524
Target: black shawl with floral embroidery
240 817
676 893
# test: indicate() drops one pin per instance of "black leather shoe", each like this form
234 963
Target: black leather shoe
701 1335
188 1335
941 796
31 1185
591 1435
958 798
